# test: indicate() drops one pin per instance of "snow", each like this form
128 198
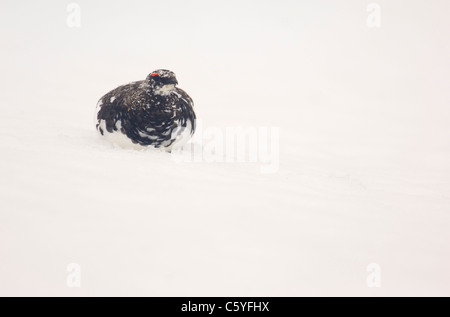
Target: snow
117 138
363 175
165 90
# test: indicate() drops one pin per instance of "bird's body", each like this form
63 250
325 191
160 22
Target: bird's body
148 113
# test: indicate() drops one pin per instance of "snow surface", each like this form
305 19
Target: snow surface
364 172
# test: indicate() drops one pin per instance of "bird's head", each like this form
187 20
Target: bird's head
162 81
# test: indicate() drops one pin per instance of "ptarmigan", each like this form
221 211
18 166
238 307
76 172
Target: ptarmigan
147 113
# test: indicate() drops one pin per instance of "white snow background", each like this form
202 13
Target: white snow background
364 174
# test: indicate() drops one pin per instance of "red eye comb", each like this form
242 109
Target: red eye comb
153 75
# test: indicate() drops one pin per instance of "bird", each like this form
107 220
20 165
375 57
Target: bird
150 113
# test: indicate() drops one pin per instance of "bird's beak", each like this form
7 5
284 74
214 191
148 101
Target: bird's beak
173 81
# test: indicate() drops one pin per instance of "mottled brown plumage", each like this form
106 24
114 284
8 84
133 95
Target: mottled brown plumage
152 112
